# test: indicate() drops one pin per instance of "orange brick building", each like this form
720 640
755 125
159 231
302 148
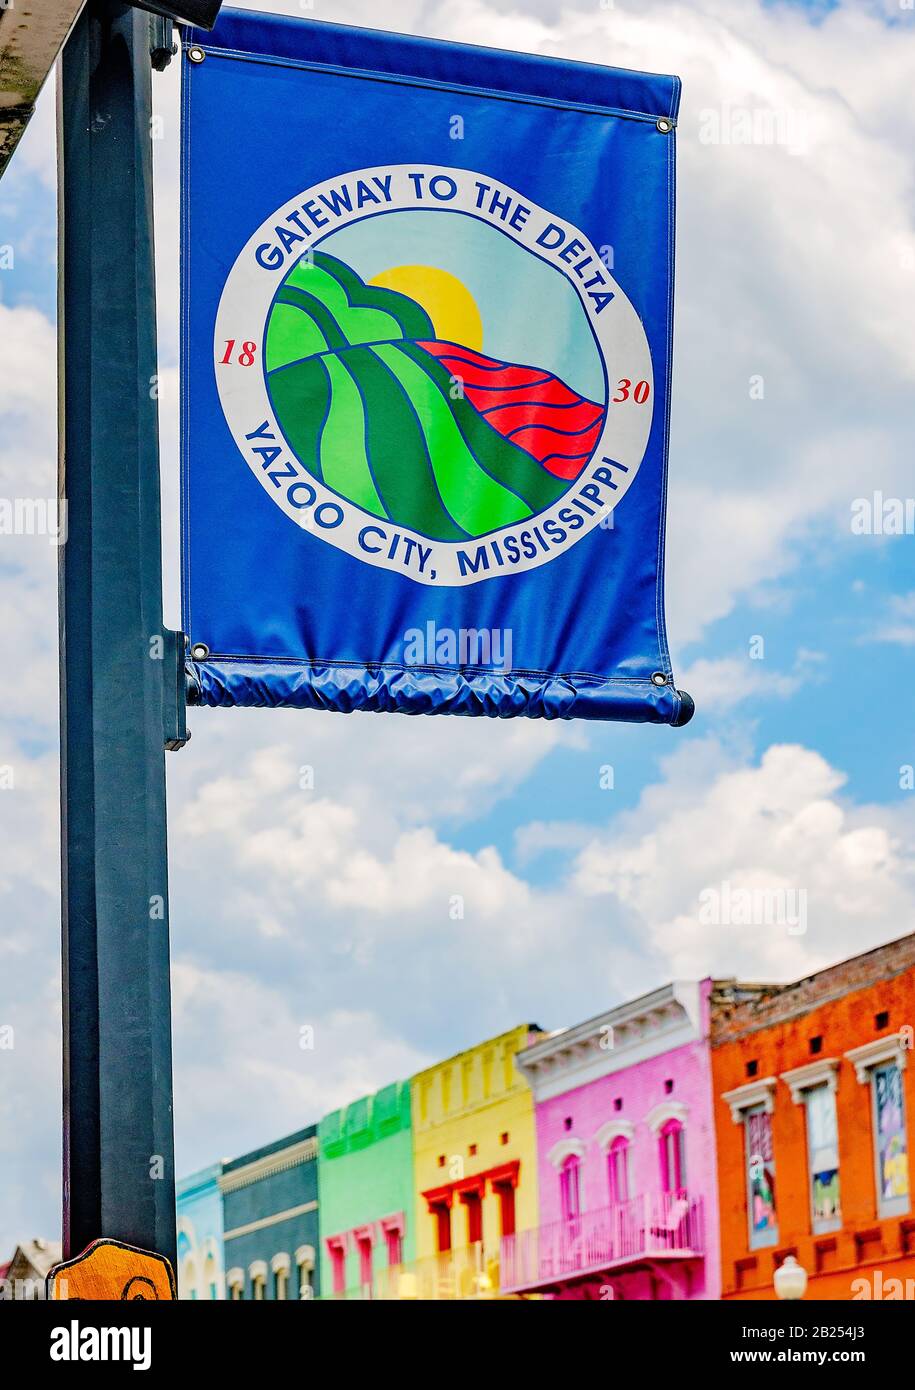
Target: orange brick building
815 1124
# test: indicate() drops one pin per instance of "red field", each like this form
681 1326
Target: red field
529 406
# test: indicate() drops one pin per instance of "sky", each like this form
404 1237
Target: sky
514 294
329 909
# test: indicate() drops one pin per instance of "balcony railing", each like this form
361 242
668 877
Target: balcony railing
472 1272
658 1227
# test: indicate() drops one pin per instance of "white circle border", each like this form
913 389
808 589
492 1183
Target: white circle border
618 332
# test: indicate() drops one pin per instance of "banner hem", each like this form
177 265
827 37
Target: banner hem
413 690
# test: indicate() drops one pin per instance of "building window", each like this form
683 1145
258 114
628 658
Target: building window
570 1189
823 1157
673 1159
473 1202
618 1170
280 1265
760 1168
337 1251
891 1161
305 1263
235 1279
394 1242
506 1193
441 1211
364 1245
258 1273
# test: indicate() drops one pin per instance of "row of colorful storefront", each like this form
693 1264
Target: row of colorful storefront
681 1145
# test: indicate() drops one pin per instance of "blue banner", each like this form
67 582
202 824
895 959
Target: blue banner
426 354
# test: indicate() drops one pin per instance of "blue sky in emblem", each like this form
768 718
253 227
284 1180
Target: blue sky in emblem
579 851
531 314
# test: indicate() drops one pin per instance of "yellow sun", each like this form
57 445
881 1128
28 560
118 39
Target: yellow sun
449 303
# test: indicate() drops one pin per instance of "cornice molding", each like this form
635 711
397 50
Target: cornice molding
303 1152
822 1072
648 1027
891 1049
760 1092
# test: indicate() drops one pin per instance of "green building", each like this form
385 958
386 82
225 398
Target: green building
365 1183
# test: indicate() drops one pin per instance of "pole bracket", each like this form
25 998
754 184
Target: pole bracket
174 692
162 45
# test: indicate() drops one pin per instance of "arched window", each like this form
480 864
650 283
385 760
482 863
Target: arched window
673 1158
618 1170
280 1266
570 1188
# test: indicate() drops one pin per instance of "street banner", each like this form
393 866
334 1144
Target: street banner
426 356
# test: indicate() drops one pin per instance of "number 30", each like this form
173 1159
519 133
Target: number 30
640 394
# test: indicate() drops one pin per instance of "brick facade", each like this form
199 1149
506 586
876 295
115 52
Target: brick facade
842 1032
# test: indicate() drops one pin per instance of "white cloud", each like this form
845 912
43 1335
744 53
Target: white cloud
332 908
899 626
781 824
719 684
254 1065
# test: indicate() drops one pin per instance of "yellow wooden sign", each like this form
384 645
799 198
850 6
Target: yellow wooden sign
108 1269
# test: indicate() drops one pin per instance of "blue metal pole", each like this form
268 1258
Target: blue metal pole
119 667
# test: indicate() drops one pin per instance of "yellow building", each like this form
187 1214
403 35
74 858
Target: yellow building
475 1166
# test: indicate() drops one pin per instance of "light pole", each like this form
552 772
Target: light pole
121 671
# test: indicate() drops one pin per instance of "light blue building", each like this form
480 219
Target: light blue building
201 1268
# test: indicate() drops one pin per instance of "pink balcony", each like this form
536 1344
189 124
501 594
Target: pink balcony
641 1232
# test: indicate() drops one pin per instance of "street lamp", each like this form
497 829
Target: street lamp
790 1279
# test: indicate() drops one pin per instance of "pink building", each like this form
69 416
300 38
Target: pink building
626 1156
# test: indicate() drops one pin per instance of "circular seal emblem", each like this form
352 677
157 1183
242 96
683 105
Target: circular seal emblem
432 373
